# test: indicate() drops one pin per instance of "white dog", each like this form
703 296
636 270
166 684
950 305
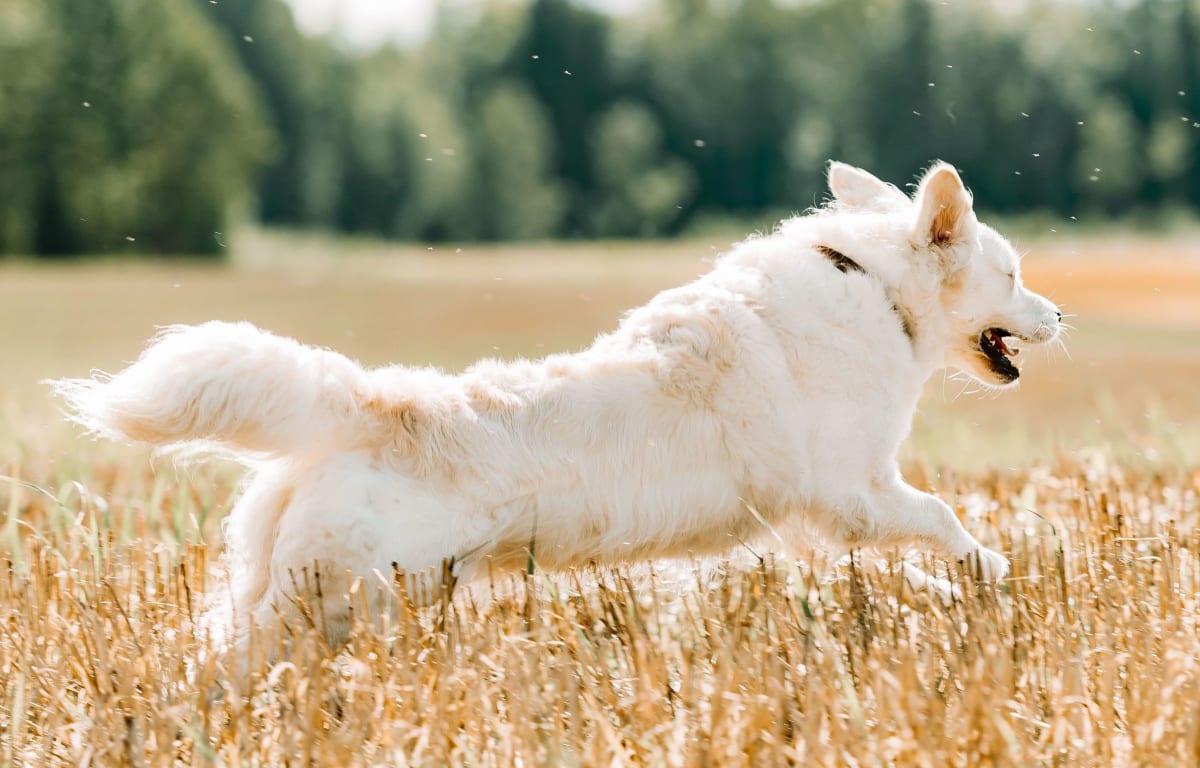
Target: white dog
775 389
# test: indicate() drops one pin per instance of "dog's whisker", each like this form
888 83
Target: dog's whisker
966 382
1062 344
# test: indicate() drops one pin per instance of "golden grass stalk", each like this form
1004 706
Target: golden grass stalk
1086 655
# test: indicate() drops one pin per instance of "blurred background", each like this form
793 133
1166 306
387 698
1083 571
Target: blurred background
138 125
421 181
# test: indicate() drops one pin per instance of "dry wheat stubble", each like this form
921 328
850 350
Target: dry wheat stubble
1087 655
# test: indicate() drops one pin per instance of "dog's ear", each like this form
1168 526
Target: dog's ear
945 214
855 188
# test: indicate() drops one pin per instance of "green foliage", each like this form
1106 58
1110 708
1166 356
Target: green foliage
26 47
1106 159
640 191
565 58
124 125
301 84
515 197
721 77
547 118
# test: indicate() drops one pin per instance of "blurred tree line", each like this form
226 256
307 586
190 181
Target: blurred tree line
147 124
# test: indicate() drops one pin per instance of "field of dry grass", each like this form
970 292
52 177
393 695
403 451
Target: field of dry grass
1088 477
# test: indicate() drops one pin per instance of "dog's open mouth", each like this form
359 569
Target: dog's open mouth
991 343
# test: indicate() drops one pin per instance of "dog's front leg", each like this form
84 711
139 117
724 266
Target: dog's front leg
904 514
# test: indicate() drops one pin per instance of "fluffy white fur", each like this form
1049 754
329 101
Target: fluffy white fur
783 380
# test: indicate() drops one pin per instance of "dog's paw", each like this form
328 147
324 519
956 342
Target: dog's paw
986 565
921 582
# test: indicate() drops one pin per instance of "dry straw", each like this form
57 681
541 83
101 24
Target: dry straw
1086 655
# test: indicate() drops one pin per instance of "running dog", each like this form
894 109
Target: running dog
775 389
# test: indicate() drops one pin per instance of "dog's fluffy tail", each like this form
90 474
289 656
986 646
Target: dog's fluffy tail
228 386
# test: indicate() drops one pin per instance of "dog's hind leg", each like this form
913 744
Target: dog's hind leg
904 514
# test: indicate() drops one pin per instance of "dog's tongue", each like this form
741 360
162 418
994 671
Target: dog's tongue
998 340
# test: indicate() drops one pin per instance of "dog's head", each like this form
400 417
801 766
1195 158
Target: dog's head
965 290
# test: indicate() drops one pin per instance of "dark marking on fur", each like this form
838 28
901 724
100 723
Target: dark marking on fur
840 260
401 415
845 264
906 322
